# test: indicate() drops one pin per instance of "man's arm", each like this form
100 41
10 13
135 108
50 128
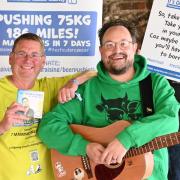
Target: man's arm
55 132
163 121
67 92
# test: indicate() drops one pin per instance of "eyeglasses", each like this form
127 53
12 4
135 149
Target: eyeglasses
22 55
110 45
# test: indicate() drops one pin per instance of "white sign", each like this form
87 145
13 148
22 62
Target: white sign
69 29
161 44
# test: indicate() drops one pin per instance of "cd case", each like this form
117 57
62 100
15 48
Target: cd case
33 100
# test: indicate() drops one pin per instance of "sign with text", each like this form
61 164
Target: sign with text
161 44
68 28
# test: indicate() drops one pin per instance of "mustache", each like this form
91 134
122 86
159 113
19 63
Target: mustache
124 55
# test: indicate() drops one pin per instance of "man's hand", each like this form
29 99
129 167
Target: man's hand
67 92
94 152
113 153
11 116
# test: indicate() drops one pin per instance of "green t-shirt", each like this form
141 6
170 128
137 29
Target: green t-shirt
22 154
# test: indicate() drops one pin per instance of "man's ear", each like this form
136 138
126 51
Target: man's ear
43 60
10 58
100 49
135 46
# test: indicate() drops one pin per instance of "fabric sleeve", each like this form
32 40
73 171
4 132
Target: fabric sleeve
55 132
164 120
50 87
59 82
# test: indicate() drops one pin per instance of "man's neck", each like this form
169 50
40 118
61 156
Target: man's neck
124 77
22 83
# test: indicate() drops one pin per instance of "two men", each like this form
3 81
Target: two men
114 95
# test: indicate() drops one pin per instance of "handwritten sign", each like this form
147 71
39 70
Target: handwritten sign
161 44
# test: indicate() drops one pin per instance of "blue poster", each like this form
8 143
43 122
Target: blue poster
65 33
69 29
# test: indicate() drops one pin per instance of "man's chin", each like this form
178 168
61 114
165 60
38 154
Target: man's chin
29 75
118 71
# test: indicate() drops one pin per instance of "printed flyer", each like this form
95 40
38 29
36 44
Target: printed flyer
33 100
161 44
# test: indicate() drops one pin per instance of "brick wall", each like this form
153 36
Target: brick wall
136 11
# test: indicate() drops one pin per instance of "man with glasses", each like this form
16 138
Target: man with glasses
114 95
23 155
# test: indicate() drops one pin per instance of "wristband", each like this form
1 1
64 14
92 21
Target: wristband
75 81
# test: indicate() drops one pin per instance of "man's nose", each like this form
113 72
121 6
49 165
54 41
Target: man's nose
117 48
28 57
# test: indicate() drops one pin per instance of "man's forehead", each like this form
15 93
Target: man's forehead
28 43
116 32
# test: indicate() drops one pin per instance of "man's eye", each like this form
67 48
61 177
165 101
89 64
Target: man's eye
21 54
109 45
35 55
124 44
